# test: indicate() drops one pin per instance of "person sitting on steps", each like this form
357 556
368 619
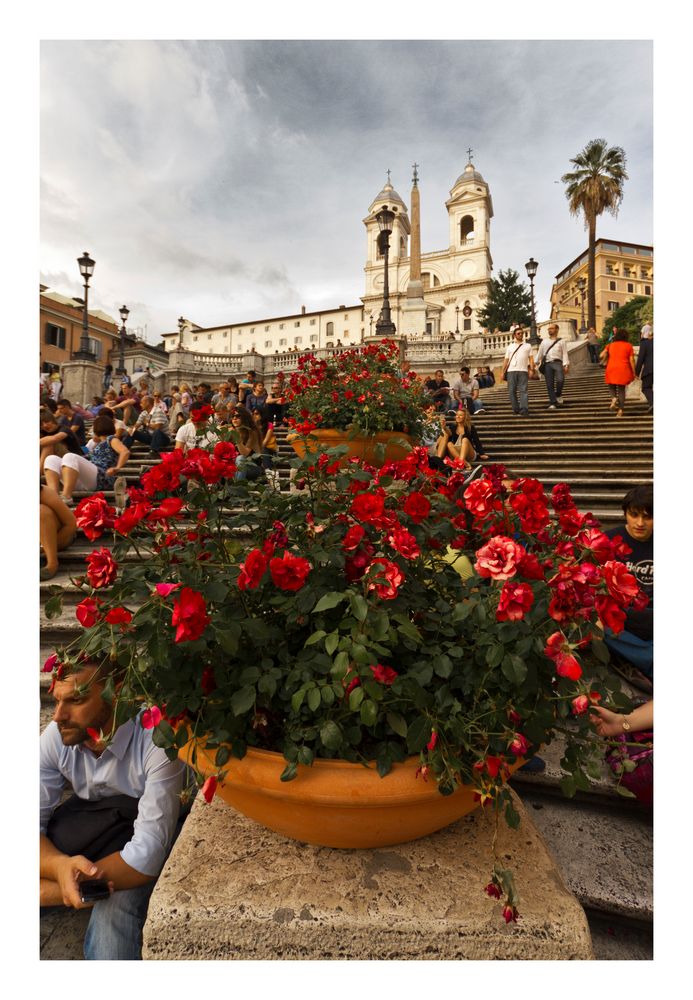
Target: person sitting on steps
467 447
98 472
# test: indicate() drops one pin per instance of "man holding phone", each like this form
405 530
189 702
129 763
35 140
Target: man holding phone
105 846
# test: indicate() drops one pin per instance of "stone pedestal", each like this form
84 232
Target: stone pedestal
82 380
412 317
233 890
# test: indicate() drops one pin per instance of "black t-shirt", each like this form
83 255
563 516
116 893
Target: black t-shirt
67 423
640 563
433 385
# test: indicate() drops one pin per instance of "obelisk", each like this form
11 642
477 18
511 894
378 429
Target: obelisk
413 315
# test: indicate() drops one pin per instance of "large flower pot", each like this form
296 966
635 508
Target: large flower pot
335 803
361 446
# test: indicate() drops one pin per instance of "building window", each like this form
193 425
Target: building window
268 343
612 286
298 340
226 333
610 269
282 342
313 337
266 329
195 338
346 315
297 322
577 302
281 326
630 286
467 324
329 329
55 335
252 329
467 229
209 336
312 322
612 306
648 289
627 272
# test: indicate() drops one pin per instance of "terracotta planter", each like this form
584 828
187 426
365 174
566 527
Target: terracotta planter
335 803
361 446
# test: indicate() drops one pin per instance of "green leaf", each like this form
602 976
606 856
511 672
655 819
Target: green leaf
512 818
568 786
315 637
223 754
369 713
355 698
600 650
243 699
228 639
289 772
397 723
297 699
625 792
314 699
359 607
418 734
514 668
305 755
462 610
331 643
383 764
331 735
53 606
341 664
327 695
328 601
494 656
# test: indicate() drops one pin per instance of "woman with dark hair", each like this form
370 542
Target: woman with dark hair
98 472
620 369
248 443
269 441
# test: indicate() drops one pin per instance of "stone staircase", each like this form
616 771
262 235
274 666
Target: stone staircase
602 842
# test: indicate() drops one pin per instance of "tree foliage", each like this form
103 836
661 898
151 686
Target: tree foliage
509 301
630 317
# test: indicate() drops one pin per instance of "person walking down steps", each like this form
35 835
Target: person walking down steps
553 364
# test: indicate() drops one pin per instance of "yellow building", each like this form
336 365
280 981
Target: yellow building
622 271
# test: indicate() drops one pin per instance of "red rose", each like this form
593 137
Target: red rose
530 567
353 683
571 521
103 568
480 498
641 601
392 573
368 507
88 612
561 497
499 558
131 517
610 613
493 890
403 541
555 644
597 542
622 585
50 664
515 600
290 572
164 589
568 666
431 745
118 616
580 704
252 570
94 515
510 914
189 615
225 454
417 506
621 549
533 514
151 717
518 745
356 565
167 508
384 675
201 414
353 538
209 788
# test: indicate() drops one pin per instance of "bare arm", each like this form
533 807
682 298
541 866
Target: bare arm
609 723
123 454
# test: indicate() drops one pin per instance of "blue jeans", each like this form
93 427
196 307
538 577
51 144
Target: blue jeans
115 927
517 390
157 440
553 373
247 469
594 353
638 652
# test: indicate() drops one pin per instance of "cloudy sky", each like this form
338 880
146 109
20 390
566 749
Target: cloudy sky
228 180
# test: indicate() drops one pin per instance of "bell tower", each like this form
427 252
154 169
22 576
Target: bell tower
470 211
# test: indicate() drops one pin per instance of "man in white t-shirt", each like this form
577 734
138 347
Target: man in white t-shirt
187 436
517 364
466 390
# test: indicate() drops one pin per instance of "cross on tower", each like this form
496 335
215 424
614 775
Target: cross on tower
416 176
388 176
469 153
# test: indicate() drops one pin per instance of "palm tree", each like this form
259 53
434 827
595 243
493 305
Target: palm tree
595 186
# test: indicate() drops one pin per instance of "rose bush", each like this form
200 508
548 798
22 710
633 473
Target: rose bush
339 621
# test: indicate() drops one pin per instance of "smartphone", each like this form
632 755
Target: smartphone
93 889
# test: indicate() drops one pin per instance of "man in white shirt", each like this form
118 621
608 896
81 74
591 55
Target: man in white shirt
466 390
187 436
121 821
518 362
554 353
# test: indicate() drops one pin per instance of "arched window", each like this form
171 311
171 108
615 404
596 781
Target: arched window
329 329
467 229
403 246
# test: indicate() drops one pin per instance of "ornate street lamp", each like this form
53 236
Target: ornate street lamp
457 319
371 329
385 218
86 269
582 284
531 268
124 313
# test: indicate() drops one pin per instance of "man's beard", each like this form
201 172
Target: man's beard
72 736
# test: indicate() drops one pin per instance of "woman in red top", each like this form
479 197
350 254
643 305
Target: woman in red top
620 369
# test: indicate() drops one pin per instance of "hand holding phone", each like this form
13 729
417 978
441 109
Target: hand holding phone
91 890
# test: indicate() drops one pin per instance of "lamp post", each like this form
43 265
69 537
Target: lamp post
582 283
457 319
531 268
371 329
124 313
86 269
384 326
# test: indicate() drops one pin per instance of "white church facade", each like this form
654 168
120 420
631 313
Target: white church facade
433 295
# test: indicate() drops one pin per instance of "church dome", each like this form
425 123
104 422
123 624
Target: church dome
388 195
470 174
